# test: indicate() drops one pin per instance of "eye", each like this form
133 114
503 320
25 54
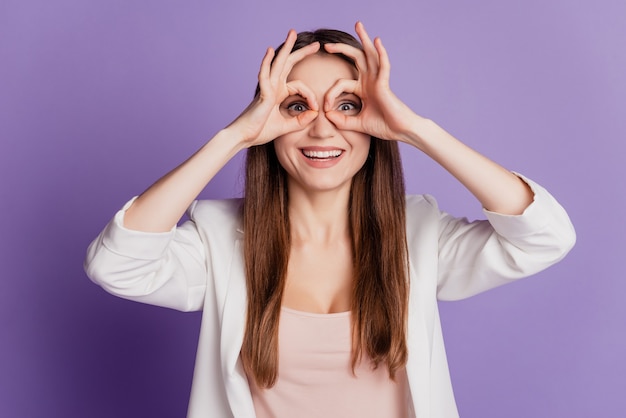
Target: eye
349 108
297 107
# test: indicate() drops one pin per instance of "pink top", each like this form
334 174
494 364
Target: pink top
315 376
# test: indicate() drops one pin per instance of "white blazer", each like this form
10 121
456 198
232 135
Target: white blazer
199 266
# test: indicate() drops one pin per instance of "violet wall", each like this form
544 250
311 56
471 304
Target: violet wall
99 98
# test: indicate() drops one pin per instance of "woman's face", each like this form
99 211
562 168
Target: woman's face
321 157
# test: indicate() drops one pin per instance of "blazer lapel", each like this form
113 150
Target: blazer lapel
419 342
232 332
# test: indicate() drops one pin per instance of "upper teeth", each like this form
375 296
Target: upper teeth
322 154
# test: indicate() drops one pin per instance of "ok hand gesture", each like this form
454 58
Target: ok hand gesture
382 115
262 121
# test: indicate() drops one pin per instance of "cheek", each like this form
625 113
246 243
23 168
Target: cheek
281 147
361 146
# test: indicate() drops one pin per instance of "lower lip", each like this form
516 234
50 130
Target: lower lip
322 162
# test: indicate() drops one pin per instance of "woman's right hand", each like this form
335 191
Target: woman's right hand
162 204
263 121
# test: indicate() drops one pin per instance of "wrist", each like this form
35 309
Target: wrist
419 132
230 141
233 138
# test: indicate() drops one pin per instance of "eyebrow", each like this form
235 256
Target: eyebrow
345 93
294 96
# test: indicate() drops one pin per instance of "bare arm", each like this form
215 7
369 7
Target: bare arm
384 116
497 189
160 207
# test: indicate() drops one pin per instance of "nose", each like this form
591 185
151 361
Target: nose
321 127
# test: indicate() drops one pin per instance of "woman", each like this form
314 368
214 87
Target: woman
319 288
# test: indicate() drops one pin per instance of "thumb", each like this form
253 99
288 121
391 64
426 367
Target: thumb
302 120
344 122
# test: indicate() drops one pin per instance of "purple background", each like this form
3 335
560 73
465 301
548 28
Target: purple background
100 98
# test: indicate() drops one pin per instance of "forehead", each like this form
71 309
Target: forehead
322 71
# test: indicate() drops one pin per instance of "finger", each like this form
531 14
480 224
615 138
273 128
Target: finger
344 122
385 64
306 118
301 121
297 56
264 71
356 54
285 51
366 41
297 87
371 54
303 52
341 86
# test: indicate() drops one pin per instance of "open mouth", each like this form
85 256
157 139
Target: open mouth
322 155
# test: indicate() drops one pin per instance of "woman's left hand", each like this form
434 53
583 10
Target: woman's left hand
382 114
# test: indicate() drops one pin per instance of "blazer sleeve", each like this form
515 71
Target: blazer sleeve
165 269
480 255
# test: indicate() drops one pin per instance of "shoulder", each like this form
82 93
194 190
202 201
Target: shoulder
421 206
422 215
223 206
222 212
421 201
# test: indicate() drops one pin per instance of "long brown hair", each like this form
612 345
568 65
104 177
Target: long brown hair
377 225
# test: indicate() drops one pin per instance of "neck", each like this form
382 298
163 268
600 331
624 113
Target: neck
319 217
